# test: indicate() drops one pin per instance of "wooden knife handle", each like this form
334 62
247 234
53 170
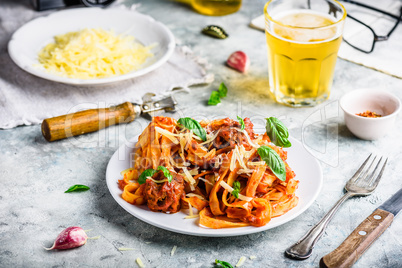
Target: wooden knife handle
358 241
75 124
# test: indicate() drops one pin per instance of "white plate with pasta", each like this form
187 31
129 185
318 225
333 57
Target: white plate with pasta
95 62
305 166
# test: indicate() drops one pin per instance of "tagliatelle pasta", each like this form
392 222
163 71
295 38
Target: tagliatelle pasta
223 177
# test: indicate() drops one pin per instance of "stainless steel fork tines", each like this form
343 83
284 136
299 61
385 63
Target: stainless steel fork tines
363 182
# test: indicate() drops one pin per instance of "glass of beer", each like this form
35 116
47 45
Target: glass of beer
303 38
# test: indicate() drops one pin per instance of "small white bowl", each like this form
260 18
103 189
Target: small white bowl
379 101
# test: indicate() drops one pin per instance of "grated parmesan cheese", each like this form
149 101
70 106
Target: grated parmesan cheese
93 53
259 163
241 261
189 178
195 195
140 263
253 257
204 180
192 217
211 137
230 189
171 136
247 137
126 249
161 181
190 208
94 238
173 250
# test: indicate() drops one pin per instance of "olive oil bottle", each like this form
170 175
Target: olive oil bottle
216 7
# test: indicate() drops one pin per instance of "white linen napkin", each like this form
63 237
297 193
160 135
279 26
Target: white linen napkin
26 99
387 56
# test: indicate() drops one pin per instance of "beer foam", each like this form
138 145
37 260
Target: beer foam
305 26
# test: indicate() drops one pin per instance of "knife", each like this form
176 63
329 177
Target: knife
74 124
364 235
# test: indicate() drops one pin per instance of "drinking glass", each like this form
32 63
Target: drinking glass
303 38
216 7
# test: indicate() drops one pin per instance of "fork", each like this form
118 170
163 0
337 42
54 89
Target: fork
363 183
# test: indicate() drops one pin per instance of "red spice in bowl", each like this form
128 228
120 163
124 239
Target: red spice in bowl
370 114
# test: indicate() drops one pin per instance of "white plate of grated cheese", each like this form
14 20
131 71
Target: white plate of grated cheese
30 39
308 172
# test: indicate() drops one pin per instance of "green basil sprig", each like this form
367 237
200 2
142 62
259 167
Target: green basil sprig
277 132
224 264
77 188
150 172
236 189
166 173
274 161
241 121
194 126
216 96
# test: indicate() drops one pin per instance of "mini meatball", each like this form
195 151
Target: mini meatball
164 196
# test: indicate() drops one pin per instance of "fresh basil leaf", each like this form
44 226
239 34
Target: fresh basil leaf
277 132
236 189
214 99
222 90
194 126
146 173
166 173
77 188
224 264
274 161
241 121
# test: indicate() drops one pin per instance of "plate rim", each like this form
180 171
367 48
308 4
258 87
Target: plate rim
213 232
96 81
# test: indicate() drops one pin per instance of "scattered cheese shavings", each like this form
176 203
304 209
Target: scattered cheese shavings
148 243
189 178
194 171
230 189
173 250
190 208
171 136
233 161
95 237
211 138
253 257
195 195
241 171
204 180
259 163
126 249
140 263
192 217
240 157
161 181
247 137
241 261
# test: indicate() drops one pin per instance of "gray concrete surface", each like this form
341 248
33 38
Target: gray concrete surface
34 173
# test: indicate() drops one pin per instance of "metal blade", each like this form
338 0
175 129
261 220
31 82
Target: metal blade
149 106
393 204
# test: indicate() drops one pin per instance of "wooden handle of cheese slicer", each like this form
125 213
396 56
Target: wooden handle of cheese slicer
75 124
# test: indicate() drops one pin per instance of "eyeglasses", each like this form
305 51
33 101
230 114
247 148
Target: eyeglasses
364 37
